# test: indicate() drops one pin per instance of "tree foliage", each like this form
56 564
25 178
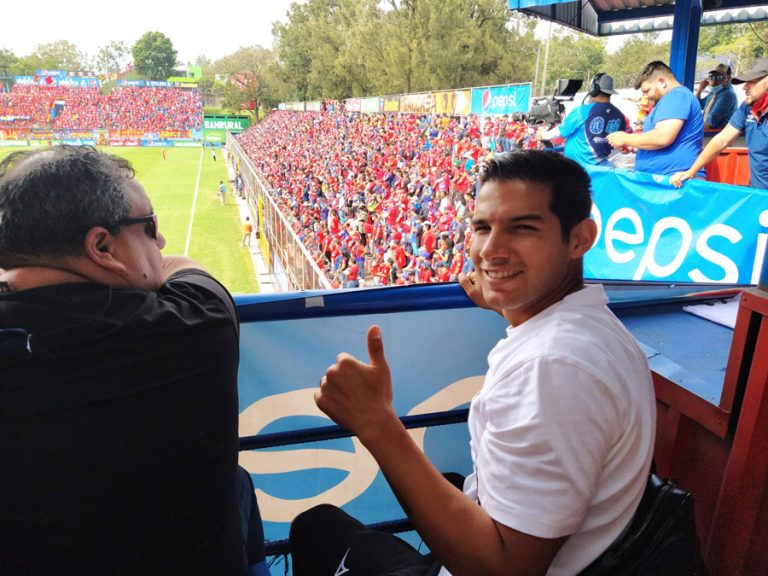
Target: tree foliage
154 55
111 57
58 55
738 44
626 63
252 75
574 55
343 48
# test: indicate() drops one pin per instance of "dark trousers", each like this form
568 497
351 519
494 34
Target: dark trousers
250 518
326 541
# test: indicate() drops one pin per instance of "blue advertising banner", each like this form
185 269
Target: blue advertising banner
498 100
520 4
649 230
281 363
71 81
147 83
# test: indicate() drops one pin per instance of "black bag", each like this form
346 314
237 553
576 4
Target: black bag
661 539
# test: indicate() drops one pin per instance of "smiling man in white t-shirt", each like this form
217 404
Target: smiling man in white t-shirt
562 430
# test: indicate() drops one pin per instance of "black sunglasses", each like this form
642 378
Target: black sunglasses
150 221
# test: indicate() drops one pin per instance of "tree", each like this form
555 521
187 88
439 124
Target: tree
574 55
739 44
58 55
111 58
154 56
343 48
626 63
252 76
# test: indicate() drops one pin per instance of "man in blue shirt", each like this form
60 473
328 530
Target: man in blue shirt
721 102
672 132
750 119
587 126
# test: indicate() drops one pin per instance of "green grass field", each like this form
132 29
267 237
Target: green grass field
214 237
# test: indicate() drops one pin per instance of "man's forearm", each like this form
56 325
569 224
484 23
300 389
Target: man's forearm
652 140
710 152
465 538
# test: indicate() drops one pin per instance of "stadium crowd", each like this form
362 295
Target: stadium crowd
380 199
34 107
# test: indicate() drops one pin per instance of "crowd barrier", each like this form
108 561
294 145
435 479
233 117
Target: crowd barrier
283 252
710 400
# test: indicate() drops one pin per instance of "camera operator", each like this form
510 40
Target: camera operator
586 127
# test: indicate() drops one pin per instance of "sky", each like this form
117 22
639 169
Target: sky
90 25
220 31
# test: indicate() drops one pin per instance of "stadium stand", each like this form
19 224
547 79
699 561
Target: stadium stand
33 106
378 199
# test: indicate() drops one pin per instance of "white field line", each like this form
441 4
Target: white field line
194 202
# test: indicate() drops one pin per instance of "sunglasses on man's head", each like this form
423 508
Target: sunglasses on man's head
150 221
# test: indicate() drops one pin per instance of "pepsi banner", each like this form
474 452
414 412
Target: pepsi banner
146 83
650 230
499 100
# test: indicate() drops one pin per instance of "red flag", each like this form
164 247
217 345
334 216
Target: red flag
48 80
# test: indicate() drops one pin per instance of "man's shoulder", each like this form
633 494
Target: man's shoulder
199 286
676 96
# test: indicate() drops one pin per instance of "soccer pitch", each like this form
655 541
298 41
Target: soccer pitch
182 189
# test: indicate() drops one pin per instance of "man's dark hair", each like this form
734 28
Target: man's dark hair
50 198
571 198
655 67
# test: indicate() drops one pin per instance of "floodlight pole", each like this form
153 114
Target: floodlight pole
546 59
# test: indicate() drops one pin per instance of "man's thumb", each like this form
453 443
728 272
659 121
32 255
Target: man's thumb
376 347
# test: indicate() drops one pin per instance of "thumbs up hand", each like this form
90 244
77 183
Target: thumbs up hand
357 395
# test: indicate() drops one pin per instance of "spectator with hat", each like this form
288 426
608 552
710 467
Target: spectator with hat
721 102
750 120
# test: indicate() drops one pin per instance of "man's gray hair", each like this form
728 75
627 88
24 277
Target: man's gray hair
50 198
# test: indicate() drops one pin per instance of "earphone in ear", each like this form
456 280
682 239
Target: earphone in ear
103 249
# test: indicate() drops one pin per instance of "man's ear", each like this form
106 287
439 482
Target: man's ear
99 245
583 237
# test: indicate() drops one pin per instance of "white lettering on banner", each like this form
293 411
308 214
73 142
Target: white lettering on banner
648 261
359 464
612 235
703 249
504 101
625 227
598 218
762 240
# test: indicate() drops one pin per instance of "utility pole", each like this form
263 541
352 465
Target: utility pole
546 60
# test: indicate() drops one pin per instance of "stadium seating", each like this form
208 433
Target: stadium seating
382 197
33 107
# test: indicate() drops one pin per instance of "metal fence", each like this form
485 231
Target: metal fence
284 253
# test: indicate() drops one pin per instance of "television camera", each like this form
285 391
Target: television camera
550 110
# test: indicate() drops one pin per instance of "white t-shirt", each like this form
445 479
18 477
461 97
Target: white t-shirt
562 431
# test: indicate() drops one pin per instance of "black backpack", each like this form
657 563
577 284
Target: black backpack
660 541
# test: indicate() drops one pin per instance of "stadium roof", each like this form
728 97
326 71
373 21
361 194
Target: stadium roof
611 17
